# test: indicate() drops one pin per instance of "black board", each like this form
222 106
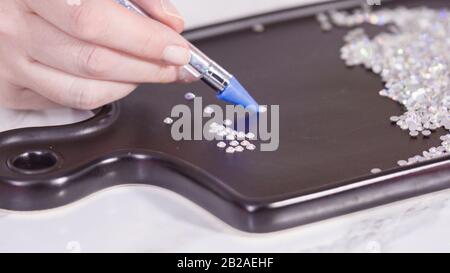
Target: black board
334 128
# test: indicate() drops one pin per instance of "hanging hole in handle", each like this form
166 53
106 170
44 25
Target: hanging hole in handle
34 162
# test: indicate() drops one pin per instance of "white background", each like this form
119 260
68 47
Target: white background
202 12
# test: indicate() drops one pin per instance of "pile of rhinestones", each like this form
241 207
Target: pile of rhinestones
231 141
237 141
413 60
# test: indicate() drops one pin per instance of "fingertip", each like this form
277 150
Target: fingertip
185 77
165 12
175 19
177 25
176 55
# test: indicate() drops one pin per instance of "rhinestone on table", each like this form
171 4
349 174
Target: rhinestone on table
221 144
394 118
375 170
239 149
230 150
250 147
412 58
241 135
258 28
245 143
250 135
215 126
402 162
222 133
324 22
230 137
234 143
168 121
189 96
208 110
227 122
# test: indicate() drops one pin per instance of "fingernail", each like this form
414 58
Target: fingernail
185 76
176 55
170 9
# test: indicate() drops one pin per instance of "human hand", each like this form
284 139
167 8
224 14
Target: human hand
85 53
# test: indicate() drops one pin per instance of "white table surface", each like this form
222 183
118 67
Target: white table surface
144 218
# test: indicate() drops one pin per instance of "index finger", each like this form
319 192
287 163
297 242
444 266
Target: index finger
106 23
163 11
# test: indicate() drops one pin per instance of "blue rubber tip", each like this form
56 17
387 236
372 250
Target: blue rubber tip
236 94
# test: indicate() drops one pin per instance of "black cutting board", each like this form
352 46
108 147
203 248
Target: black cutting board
334 128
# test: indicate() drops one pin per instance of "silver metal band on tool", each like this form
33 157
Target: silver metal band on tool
200 65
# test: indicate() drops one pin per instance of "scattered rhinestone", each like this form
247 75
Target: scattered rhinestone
238 141
234 143
230 137
324 22
413 61
168 121
221 144
250 135
375 170
259 28
189 96
250 147
245 143
230 150
208 110
227 122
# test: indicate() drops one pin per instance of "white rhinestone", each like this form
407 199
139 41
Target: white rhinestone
250 135
375 170
241 135
245 143
411 59
208 110
239 149
189 96
383 93
258 28
394 118
168 121
230 137
221 144
230 150
234 143
402 162
227 122
221 133
250 147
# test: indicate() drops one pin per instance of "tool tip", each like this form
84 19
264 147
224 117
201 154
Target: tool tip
235 93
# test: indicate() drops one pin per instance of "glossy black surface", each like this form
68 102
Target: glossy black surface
334 128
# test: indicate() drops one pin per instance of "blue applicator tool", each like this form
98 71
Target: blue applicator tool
201 66
235 93
226 85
